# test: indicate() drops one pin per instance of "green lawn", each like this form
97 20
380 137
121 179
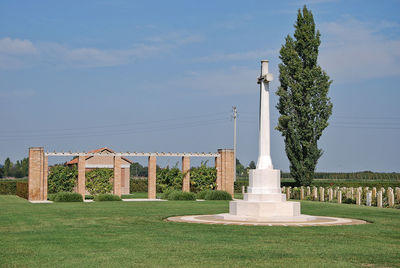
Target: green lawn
136 195
115 234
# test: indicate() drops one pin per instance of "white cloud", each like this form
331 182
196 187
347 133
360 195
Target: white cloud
352 50
14 52
237 56
10 46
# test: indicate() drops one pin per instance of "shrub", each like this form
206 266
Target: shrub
22 189
238 185
202 194
169 178
107 197
98 181
138 185
218 195
179 195
68 197
62 179
51 197
203 178
89 197
8 187
349 201
166 193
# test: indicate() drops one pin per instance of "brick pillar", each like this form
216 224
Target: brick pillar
186 173
219 169
81 187
151 179
227 169
45 177
37 182
117 175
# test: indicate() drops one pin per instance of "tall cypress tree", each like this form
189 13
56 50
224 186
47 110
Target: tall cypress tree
304 105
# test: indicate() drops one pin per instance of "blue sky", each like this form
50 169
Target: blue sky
163 76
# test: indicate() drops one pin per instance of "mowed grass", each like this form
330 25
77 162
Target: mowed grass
134 234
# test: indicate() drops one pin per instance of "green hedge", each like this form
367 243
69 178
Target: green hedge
62 179
98 181
316 183
166 193
238 185
202 194
22 189
107 197
347 184
8 187
218 195
68 197
138 185
179 195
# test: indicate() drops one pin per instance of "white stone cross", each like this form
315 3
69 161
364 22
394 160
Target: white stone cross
264 152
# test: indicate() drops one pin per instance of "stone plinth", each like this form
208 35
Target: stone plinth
264 181
264 200
264 209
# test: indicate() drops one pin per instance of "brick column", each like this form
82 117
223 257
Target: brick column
81 187
151 178
218 168
117 175
227 169
37 179
45 177
186 173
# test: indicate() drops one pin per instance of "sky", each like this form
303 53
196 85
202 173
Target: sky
162 76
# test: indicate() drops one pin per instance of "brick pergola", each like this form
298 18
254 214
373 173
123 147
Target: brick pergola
38 170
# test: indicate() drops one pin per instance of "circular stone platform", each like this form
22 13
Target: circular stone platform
219 219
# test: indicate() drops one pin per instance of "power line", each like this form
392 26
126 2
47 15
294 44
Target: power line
234 140
126 131
116 125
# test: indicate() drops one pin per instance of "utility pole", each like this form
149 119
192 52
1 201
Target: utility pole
234 140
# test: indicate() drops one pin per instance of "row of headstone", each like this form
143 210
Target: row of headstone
318 194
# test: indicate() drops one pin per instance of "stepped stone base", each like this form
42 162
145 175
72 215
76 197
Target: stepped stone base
264 201
264 211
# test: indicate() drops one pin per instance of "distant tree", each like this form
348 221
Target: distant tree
25 167
304 105
252 165
240 170
17 170
7 167
138 170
